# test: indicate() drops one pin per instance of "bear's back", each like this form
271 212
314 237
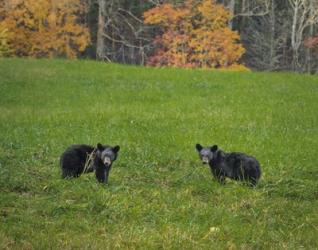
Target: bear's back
78 151
73 159
235 161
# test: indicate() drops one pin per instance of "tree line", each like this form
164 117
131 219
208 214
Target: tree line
229 34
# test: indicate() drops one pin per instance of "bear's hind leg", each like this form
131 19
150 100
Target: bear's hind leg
67 173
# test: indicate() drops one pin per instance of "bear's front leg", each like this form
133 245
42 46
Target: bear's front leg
221 179
102 175
219 176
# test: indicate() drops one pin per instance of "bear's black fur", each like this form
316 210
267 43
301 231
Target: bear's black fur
237 166
98 159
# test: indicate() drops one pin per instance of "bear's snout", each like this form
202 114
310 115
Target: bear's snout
205 160
107 161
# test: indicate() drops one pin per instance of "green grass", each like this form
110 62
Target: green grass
159 194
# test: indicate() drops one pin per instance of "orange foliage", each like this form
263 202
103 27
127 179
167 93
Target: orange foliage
194 35
45 28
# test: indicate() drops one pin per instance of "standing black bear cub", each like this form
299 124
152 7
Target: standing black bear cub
78 159
237 166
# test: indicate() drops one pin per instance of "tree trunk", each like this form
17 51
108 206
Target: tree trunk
311 34
293 38
272 45
100 43
231 7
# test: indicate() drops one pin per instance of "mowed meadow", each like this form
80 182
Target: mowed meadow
159 195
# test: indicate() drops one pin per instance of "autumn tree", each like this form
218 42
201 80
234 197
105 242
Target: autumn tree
45 28
4 37
194 35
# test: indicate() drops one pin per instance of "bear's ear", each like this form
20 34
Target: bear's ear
116 149
214 148
100 147
198 147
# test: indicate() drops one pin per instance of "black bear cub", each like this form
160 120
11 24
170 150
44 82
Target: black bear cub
78 159
237 166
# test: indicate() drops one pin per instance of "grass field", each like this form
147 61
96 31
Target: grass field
159 195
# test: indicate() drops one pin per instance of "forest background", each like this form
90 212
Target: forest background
264 35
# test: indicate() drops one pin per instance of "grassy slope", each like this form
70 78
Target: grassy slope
159 195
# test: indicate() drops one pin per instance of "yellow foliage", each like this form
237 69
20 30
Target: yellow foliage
194 35
237 67
214 16
164 15
46 28
4 37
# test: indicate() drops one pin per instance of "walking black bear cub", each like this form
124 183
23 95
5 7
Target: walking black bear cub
78 159
237 166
